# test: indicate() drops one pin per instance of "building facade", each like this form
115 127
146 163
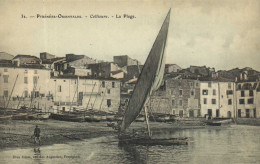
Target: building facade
22 86
248 99
74 93
179 97
217 99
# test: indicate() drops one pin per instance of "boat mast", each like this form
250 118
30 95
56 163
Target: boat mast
11 92
89 99
147 121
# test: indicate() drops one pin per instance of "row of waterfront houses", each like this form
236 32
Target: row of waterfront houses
36 88
216 98
79 82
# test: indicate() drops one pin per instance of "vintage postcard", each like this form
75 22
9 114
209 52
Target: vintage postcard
95 81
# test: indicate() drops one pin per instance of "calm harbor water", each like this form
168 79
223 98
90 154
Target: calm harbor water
232 144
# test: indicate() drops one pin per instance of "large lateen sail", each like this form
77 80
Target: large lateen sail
150 78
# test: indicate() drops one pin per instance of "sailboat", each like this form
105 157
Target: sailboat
149 81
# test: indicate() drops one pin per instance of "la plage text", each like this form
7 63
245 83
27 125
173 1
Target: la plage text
91 16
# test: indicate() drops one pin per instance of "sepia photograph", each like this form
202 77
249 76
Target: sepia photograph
120 81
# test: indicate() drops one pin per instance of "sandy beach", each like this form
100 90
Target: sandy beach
19 133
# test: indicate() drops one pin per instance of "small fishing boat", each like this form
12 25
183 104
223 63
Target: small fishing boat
42 116
6 118
20 116
140 119
110 117
218 122
149 80
154 141
67 117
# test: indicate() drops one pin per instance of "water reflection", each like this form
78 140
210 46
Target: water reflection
235 144
37 155
135 154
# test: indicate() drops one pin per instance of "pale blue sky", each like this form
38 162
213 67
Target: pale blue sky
223 34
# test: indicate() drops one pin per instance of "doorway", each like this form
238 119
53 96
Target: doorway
247 113
239 113
217 113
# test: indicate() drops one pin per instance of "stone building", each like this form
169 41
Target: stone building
104 69
169 68
46 55
179 97
248 99
20 60
125 60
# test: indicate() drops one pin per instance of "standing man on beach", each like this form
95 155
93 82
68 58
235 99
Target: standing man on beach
37 132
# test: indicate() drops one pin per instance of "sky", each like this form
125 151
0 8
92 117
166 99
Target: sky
224 34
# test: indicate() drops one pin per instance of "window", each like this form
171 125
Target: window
108 91
242 93
35 71
25 80
180 92
214 91
181 113
239 113
25 93
173 102
103 84
204 92
251 93
108 102
191 84
6 93
241 101
5 78
213 101
205 100
209 84
250 101
172 92
180 102
229 92
192 93
113 84
197 84
229 101
229 85
5 70
239 86
35 80
59 88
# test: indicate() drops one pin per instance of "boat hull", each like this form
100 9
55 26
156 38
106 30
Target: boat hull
153 142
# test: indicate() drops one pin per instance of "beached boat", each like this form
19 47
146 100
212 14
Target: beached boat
41 116
20 116
67 117
218 122
149 80
140 119
110 117
6 118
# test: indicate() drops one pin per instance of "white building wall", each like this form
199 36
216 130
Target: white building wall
96 94
23 87
209 86
227 109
